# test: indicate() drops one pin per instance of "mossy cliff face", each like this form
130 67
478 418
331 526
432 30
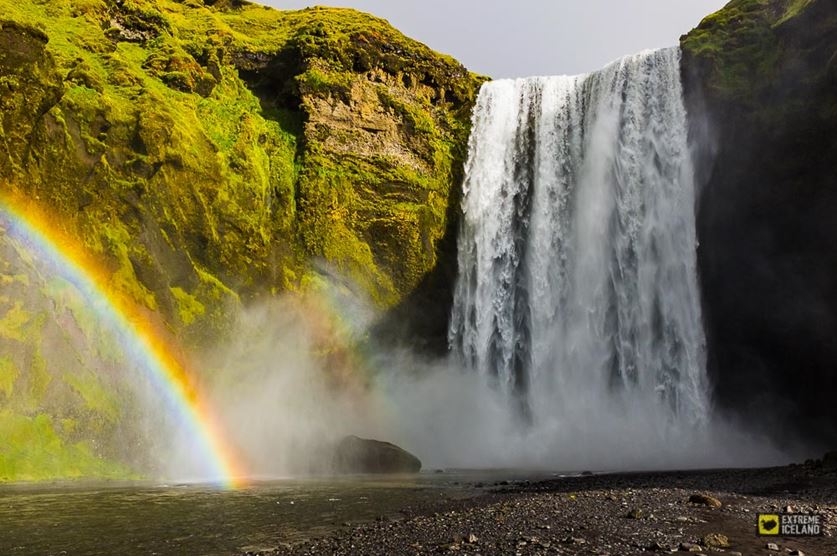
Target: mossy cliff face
761 85
65 408
209 153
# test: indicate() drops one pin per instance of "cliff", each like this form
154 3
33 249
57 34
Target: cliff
761 86
208 152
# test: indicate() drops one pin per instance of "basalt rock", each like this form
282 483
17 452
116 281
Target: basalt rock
361 455
760 88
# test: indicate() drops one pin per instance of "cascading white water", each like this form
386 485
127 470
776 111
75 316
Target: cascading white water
577 291
577 300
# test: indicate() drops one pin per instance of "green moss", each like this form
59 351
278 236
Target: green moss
39 378
124 279
740 42
96 398
419 118
794 8
65 299
34 450
8 375
188 308
67 369
8 280
316 81
741 45
13 323
749 53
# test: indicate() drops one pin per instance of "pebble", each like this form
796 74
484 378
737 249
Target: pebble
587 516
636 513
705 500
716 540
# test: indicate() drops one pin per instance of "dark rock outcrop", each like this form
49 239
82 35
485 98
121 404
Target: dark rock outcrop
361 455
761 90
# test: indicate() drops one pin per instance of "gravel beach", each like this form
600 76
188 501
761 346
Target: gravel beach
699 512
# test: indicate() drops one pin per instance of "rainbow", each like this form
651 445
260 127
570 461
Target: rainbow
139 337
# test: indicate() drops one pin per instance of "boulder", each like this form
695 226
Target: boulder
362 455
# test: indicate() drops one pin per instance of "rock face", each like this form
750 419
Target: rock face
234 143
206 152
361 455
761 86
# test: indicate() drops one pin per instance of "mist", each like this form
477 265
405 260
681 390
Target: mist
298 372
301 371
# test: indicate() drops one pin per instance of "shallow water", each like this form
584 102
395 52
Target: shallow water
199 519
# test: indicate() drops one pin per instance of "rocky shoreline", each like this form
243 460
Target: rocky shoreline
698 512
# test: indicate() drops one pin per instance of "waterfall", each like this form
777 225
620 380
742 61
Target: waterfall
577 292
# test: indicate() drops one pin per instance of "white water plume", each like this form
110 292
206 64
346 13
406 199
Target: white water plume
578 294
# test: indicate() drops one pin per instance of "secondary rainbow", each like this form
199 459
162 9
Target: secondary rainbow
137 334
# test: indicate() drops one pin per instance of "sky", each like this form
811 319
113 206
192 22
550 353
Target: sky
518 38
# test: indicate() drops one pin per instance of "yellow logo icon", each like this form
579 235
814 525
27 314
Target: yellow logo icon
768 524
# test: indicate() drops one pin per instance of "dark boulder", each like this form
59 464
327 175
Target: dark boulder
362 455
